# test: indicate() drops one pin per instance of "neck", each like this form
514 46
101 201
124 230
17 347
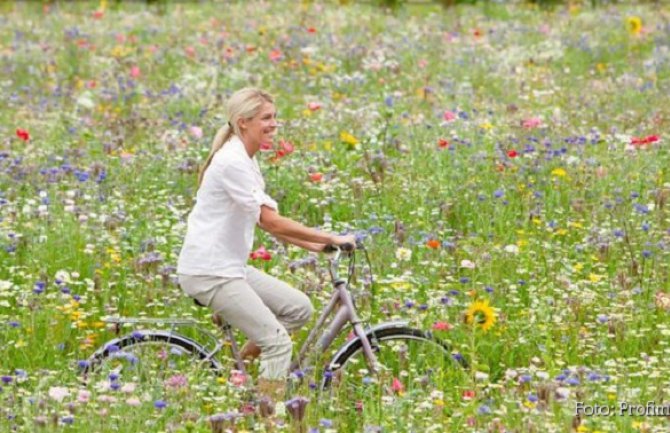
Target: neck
251 150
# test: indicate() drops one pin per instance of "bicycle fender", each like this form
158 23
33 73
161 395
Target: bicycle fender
153 335
369 332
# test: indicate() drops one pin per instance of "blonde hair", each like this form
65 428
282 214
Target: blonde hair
243 104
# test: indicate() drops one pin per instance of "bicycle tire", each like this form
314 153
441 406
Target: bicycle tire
153 358
402 387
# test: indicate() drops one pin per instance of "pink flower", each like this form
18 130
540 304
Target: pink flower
237 378
176 381
449 116
133 401
532 123
135 72
313 106
423 63
397 386
83 396
275 55
196 131
442 326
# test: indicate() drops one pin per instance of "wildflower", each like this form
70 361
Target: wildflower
313 106
480 314
433 244
196 132
662 300
316 177
133 401
403 254
296 407
512 153
531 123
442 143
468 394
261 253
349 139
135 71
467 264
176 381
442 326
559 172
160 404
275 55
23 134
397 386
449 116
58 393
634 25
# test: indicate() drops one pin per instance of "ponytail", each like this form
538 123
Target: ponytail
224 133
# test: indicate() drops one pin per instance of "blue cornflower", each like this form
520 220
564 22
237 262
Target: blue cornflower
160 404
532 398
324 422
39 287
573 381
484 410
464 280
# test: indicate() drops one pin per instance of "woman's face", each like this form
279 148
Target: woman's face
261 128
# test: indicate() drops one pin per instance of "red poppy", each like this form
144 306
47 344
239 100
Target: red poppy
313 106
275 55
512 153
433 244
644 141
311 30
261 254
98 14
315 177
23 134
468 394
442 143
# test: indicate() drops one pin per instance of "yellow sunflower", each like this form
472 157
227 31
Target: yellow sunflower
480 314
634 25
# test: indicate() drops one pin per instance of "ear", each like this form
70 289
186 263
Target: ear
242 124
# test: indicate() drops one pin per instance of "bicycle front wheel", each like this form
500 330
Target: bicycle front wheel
156 361
416 375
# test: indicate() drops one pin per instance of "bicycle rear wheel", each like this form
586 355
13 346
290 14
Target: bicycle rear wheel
156 361
417 374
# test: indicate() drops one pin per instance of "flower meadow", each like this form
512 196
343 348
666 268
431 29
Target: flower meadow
506 165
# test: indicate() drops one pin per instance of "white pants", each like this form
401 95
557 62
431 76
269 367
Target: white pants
264 308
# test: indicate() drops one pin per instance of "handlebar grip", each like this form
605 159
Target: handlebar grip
330 248
346 248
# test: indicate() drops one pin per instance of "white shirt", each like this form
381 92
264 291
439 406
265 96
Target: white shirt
220 231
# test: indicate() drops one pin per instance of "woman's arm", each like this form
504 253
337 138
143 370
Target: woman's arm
292 231
309 246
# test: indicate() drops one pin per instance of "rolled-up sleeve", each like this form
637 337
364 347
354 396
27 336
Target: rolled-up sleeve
248 194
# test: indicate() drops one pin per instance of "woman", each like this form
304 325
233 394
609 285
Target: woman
230 202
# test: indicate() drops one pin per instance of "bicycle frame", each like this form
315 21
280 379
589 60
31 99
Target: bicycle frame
342 305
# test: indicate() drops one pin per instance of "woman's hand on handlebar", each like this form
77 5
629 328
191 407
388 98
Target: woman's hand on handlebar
345 243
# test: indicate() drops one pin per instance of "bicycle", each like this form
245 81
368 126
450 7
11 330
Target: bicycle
387 364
